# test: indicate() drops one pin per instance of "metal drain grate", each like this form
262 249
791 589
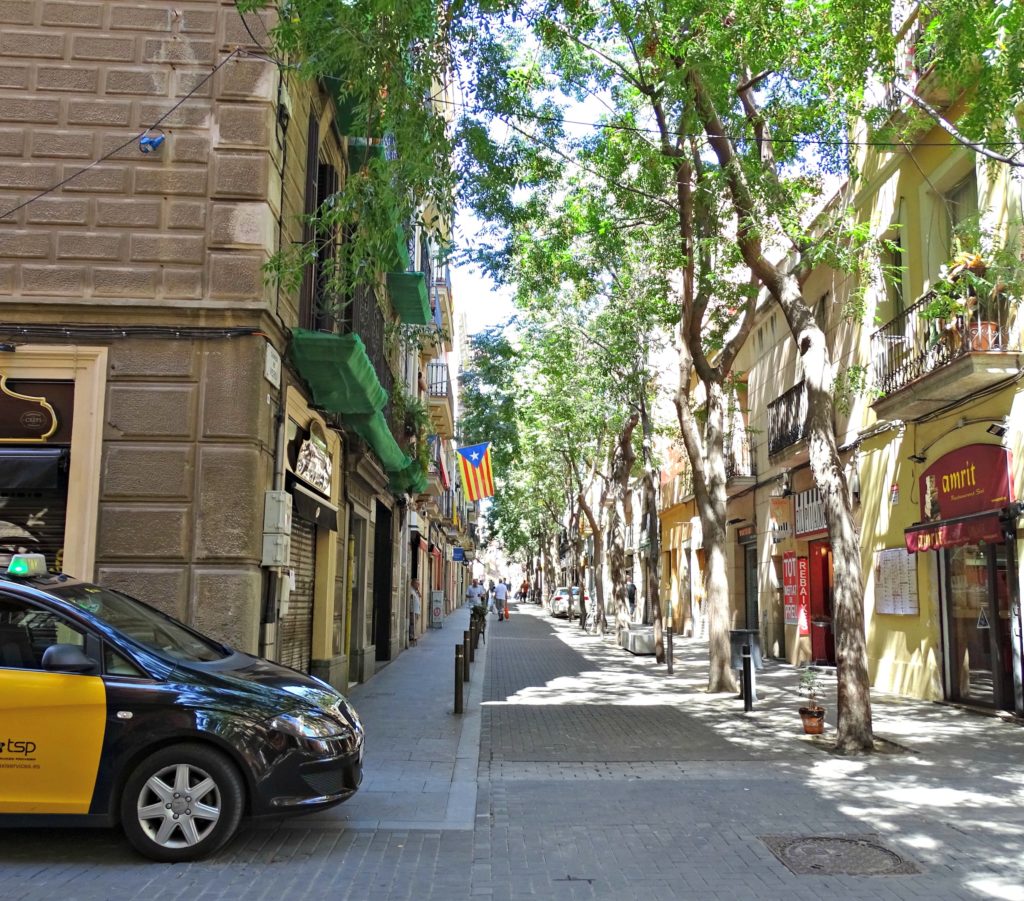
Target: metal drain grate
842 855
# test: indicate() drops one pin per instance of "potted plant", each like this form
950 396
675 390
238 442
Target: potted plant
813 714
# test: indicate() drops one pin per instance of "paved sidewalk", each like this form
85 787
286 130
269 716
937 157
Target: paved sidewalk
420 760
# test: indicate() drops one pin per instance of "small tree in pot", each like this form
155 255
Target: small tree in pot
813 714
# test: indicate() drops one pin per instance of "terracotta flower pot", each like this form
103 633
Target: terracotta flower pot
984 335
813 719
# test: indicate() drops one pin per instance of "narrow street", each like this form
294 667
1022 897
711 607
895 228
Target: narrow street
580 771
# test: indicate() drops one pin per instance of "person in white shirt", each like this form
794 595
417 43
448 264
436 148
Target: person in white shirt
501 598
415 608
473 594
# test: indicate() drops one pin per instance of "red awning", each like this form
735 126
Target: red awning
956 532
436 553
423 544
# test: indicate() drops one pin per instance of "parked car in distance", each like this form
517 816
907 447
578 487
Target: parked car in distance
565 602
559 601
114 712
575 609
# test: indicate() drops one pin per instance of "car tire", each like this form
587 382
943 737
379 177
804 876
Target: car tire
182 803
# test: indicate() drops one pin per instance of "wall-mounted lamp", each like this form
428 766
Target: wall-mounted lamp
999 429
786 483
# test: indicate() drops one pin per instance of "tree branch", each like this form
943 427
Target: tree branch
952 130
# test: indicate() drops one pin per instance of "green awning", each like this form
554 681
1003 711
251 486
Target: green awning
338 371
359 154
412 479
373 429
402 247
408 292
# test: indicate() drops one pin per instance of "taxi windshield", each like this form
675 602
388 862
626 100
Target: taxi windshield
151 628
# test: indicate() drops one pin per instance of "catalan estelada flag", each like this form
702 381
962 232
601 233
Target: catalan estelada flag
475 466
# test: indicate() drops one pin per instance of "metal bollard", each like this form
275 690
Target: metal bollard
467 655
748 680
458 678
668 648
472 642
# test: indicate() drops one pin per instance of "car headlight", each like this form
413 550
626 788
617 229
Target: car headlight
308 726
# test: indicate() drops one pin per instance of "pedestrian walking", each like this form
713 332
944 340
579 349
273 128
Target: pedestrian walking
631 598
524 590
501 599
415 608
473 593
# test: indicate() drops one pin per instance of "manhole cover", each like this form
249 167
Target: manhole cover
854 855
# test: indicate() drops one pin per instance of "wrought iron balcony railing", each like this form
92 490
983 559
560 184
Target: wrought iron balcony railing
912 344
787 418
439 383
739 461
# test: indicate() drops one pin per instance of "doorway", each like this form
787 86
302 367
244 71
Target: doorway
750 581
977 620
819 565
382 551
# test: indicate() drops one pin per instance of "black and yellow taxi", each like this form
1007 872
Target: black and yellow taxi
113 712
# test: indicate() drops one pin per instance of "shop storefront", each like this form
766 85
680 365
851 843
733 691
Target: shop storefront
51 421
813 582
968 523
35 458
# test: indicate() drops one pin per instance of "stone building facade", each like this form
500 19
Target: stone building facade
195 468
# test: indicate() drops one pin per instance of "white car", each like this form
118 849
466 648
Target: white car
565 602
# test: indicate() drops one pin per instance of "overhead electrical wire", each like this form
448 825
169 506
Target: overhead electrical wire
476 108
106 156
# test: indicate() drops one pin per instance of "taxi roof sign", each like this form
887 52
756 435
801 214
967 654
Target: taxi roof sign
27 565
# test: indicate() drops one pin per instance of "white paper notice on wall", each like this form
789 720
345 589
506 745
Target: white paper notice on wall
896 582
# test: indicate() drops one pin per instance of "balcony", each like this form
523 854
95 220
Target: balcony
922 363
440 400
916 66
438 479
787 420
740 471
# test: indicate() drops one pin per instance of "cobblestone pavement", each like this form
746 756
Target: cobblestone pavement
583 772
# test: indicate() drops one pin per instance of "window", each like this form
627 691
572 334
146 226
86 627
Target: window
961 204
316 307
114 664
149 627
894 268
27 631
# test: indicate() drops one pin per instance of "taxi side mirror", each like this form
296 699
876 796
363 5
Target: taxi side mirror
67 658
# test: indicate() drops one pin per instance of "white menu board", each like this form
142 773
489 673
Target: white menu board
896 582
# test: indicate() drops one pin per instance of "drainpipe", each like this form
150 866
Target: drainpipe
274 574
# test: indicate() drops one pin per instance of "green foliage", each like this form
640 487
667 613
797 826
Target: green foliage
811 685
381 62
850 382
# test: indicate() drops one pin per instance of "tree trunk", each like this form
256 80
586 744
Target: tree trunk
652 527
597 564
854 712
854 732
550 570
622 466
707 461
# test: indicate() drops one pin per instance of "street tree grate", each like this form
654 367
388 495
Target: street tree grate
842 855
